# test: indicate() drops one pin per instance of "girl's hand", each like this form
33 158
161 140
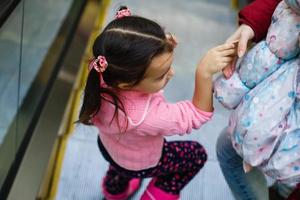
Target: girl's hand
242 35
216 59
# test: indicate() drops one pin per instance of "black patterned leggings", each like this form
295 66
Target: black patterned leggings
179 163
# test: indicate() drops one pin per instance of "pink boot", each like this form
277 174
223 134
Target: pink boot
154 193
133 186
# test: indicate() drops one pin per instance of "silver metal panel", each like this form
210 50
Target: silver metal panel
37 155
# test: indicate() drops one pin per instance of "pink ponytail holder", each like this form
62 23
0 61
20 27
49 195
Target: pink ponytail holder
123 13
99 64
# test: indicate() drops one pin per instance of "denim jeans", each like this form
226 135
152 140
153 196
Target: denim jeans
244 186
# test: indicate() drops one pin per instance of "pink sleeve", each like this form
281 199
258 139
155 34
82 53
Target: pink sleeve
169 119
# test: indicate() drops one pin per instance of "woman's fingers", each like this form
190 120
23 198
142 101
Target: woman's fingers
247 34
242 46
227 71
235 36
233 64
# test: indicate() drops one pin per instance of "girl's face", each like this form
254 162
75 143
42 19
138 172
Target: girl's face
158 74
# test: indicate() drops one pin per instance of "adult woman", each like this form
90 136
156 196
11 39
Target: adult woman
254 21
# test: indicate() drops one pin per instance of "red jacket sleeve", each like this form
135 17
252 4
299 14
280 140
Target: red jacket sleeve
258 15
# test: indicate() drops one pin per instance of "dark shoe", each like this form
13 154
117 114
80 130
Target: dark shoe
295 194
133 186
274 195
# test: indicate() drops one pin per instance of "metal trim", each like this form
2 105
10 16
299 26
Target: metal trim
35 161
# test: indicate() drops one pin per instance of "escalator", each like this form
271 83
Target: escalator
44 50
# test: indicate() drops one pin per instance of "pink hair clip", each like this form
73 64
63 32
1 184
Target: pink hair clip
99 64
172 39
123 13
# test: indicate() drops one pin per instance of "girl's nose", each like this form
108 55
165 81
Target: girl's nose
171 72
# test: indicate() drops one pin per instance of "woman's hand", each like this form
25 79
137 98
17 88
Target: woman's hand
242 35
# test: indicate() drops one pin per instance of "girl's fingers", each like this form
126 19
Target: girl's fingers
226 59
223 65
225 46
228 52
230 68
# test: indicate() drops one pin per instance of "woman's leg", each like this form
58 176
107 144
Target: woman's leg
284 190
245 186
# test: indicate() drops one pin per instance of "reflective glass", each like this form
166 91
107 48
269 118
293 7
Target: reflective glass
26 38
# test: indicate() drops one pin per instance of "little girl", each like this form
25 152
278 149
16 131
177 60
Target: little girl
124 99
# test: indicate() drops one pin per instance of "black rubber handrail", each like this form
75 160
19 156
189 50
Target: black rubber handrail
6 8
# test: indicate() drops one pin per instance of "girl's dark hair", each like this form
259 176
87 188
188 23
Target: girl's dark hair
128 44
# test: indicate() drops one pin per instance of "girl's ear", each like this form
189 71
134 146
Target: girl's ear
124 86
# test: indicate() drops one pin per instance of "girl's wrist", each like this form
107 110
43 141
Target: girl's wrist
204 74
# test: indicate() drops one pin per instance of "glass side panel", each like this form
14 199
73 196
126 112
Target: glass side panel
10 54
25 40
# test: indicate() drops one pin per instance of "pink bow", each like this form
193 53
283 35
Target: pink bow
123 13
99 64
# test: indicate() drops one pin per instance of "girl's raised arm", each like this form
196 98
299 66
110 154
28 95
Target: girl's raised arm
214 61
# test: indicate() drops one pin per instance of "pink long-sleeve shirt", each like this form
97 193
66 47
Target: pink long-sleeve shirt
149 119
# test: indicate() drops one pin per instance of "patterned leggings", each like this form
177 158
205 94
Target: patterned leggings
179 163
